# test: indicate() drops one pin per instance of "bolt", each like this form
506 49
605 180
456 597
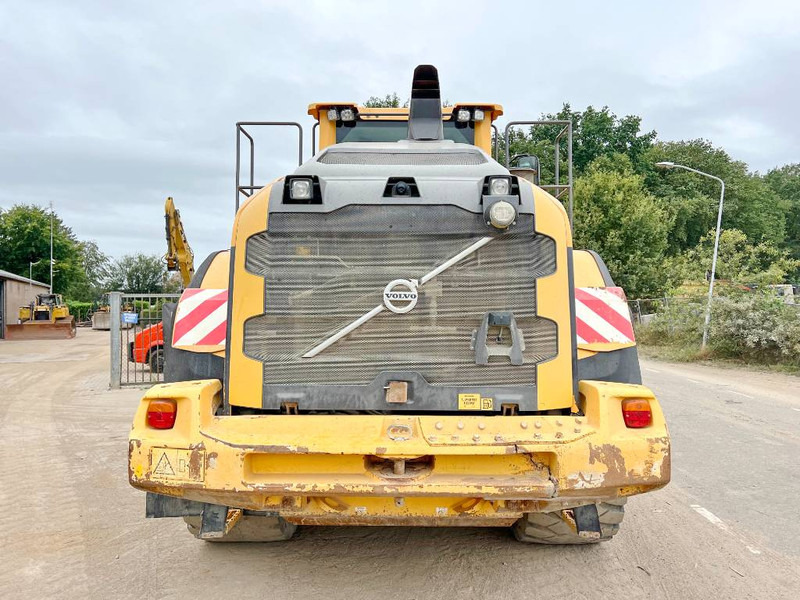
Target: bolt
537 435
481 426
432 438
498 438
559 435
439 424
558 422
524 424
476 438
538 424
460 425
577 430
578 420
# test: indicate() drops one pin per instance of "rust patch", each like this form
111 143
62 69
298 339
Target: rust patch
611 456
196 463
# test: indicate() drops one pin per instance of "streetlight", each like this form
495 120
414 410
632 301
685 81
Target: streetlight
30 275
672 165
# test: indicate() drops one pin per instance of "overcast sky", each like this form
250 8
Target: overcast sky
107 107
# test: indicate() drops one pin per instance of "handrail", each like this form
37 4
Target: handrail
240 130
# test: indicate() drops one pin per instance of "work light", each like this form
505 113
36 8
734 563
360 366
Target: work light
348 114
301 189
462 116
478 115
333 114
499 186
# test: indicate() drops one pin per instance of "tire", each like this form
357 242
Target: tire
553 528
156 360
250 528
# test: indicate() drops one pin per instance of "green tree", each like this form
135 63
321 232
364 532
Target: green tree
618 218
692 200
138 274
96 267
738 261
595 133
785 182
388 101
25 238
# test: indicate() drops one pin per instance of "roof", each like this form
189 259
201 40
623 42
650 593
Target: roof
9 275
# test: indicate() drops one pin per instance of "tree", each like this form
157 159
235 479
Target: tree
595 133
138 274
738 261
388 101
785 182
692 200
96 267
25 238
618 218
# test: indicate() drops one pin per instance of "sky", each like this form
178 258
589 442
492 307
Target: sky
107 108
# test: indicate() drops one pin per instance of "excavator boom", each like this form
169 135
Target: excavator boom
179 255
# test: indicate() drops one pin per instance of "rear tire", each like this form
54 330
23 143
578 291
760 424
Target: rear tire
250 528
554 528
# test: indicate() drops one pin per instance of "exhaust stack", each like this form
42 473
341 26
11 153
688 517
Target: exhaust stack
425 111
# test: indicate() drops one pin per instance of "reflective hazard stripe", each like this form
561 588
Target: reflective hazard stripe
602 316
201 318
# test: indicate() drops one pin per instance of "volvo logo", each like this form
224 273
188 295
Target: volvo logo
400 295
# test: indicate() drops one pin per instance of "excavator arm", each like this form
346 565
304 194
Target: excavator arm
179 255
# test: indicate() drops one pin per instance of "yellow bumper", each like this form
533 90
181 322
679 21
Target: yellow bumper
425 470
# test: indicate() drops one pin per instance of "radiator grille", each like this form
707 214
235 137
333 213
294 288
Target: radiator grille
324 271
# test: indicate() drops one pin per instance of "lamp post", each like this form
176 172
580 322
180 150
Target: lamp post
30 275
672 165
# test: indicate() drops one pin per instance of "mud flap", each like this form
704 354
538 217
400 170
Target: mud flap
587 521
213 521
158 506
214 518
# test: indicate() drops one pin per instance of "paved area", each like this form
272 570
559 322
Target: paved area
726 527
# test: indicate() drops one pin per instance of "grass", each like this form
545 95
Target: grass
694 354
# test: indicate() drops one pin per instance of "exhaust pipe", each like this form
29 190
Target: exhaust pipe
425 110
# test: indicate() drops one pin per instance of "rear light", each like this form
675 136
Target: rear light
636 413
161 413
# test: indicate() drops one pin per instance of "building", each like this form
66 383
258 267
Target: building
16 291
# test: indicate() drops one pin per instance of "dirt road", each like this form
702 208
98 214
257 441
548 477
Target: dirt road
726 527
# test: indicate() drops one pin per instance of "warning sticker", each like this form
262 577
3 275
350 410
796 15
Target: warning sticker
177 464
474 402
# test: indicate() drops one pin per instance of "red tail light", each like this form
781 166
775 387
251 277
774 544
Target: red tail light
161 413
636 413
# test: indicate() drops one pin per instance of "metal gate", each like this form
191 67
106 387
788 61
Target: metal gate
137 339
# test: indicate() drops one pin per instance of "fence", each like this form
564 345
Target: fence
644 309
137 341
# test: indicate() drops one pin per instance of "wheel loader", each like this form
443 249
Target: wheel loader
401 333
46 318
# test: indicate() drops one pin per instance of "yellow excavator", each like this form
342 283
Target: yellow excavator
179 255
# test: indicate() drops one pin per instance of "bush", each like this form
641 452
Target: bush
79 310
756 327
753 327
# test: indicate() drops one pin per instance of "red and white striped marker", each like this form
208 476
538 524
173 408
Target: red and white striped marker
201 318
602 316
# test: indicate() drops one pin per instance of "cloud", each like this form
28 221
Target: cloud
107 108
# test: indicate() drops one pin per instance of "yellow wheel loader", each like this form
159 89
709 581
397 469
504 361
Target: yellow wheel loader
400 334
46 318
